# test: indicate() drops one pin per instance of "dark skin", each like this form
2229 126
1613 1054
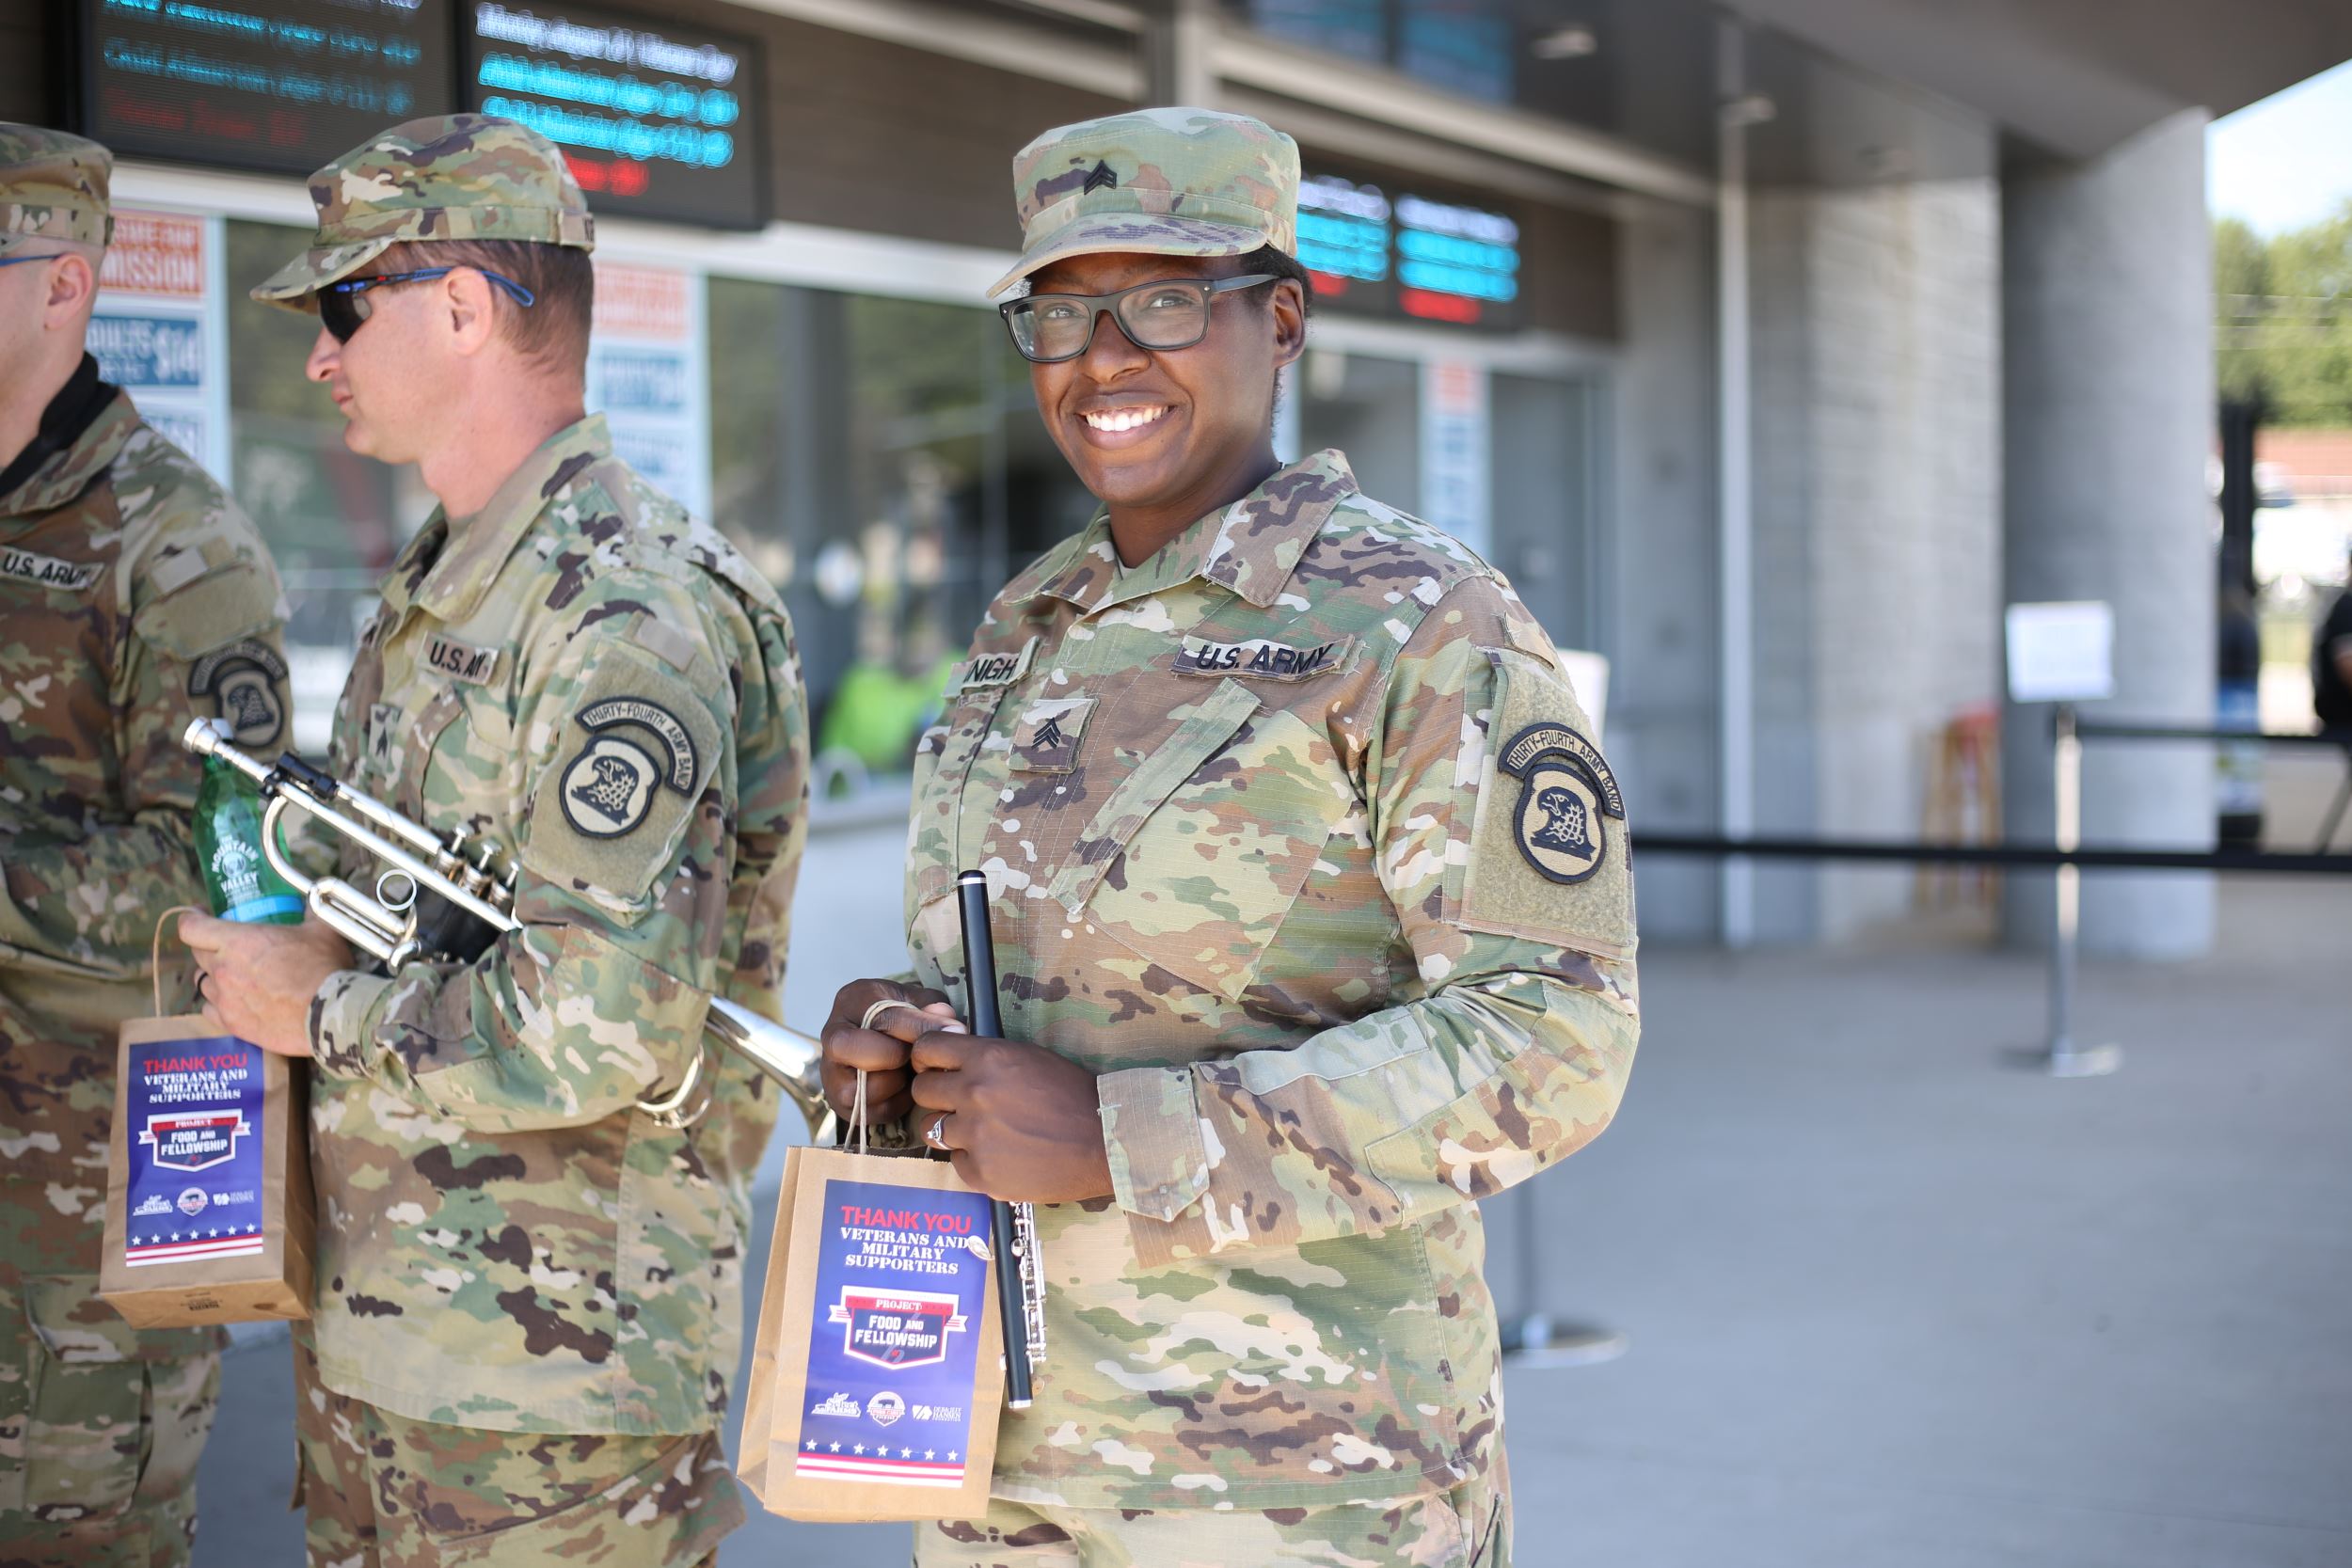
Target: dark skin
1022 1123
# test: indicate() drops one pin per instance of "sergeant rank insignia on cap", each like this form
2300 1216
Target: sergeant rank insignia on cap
1566 794
607 787
1102 177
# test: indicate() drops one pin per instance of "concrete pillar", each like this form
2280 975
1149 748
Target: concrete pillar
2107 411
1179 41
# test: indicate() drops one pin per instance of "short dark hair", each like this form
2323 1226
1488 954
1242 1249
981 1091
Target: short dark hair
554 332
1281 263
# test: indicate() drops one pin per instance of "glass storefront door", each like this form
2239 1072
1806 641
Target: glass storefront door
1538 520
1369 408
1545 536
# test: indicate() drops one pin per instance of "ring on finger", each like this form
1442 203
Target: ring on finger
937 1134
884 1005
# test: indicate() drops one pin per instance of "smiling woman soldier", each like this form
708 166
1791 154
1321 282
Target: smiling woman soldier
1297 962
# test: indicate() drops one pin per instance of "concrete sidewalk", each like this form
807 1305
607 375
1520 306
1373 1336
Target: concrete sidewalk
1892 1302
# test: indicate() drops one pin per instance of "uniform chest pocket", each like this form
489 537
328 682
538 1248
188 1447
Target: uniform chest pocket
466 775
943 764
1202 848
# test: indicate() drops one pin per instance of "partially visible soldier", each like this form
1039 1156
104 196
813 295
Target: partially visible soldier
133 596
529 1283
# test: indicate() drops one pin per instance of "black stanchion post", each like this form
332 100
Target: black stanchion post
1532 1337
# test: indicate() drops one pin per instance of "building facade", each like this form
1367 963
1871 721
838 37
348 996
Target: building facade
1762 349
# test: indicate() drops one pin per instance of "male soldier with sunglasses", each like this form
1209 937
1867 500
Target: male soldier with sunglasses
133 597
529 1257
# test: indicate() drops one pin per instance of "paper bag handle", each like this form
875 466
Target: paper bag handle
155 952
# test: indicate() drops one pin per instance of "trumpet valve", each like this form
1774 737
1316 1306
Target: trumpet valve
479 878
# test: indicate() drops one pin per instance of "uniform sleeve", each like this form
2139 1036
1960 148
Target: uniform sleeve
628 848
1500 840
204 639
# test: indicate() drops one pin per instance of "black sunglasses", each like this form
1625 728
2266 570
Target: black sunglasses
1169 314
342 306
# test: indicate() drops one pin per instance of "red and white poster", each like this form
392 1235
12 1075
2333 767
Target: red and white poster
160 330
649 375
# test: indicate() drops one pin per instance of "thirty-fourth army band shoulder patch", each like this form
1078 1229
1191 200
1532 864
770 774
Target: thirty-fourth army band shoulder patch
636 749
1548 859
607 787
243 680
1566 797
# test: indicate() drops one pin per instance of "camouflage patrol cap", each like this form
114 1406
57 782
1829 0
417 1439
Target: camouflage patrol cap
1164 181
53 186
447 177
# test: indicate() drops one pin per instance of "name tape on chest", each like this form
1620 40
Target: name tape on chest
461 662
241 679
1260 659
1566 793
47 571
986 670
607 787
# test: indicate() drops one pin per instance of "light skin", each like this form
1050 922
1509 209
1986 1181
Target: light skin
1020 1122
430 379
44 319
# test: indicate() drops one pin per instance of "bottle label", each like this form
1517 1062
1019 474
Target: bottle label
265 908
237 871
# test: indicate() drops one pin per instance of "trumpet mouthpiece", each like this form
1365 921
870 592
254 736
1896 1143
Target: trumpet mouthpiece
206 737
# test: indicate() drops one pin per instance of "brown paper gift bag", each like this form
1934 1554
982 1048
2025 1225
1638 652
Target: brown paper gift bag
208 1213
877 1374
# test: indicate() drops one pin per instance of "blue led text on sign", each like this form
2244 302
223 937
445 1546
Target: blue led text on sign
1412 256
655 122
280 84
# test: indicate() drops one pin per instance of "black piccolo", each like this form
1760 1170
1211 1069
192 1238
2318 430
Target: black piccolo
1006 1232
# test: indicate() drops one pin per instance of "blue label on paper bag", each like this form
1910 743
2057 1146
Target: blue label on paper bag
901 1287
194 1143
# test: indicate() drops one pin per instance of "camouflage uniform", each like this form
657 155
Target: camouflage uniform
1294 835
135 596
511 1253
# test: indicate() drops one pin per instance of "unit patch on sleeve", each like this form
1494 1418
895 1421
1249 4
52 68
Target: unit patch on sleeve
1260 659
628 759
607 787
1566 795
1548 856
243 680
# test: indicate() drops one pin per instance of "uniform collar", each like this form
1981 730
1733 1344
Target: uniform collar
87 451
472 551
1251 548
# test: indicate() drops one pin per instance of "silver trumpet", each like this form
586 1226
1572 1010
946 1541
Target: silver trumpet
389 923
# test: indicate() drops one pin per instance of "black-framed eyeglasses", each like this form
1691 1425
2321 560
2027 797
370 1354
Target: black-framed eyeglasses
1169 314
13 261
344 305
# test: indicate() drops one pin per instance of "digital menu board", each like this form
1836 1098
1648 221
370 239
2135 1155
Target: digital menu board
1407 256
657 120
280 85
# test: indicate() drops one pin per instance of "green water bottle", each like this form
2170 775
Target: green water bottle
241 882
